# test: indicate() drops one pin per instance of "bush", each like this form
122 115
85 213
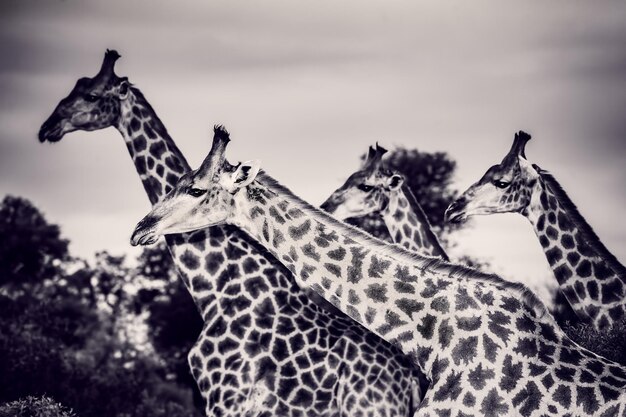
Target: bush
34 407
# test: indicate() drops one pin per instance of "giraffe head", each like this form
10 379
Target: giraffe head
93 103
366 191
504 188
203 197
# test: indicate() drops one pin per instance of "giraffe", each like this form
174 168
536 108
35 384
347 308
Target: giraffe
488 346
589 276
375 189
265 349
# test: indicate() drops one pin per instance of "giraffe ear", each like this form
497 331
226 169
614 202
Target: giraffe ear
245 173
123 89
395 182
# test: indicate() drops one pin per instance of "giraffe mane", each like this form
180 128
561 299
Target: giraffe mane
427 263
579 221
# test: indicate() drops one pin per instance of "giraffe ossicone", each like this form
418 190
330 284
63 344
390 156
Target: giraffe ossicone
265 348
488 346
589 276
374 189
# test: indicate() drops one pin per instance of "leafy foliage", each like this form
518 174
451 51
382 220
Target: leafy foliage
34 407
173 318
68 330
30 247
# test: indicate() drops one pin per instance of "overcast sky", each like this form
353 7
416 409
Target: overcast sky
306 86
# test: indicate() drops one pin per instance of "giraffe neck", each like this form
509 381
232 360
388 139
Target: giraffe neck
159 164
408 225
157 159
590 277
352 271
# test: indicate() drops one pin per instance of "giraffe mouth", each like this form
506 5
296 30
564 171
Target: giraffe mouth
143 237
51 130
457 218
455 214
144 234
50 137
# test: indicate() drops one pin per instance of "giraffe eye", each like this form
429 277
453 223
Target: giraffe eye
501 184
365 188
196 192
91 98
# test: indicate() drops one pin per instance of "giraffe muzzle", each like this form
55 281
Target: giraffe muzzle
51 130
143 238
144 233
329 206
455 213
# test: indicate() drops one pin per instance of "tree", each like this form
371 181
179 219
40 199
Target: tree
30 247
66 329
173 320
